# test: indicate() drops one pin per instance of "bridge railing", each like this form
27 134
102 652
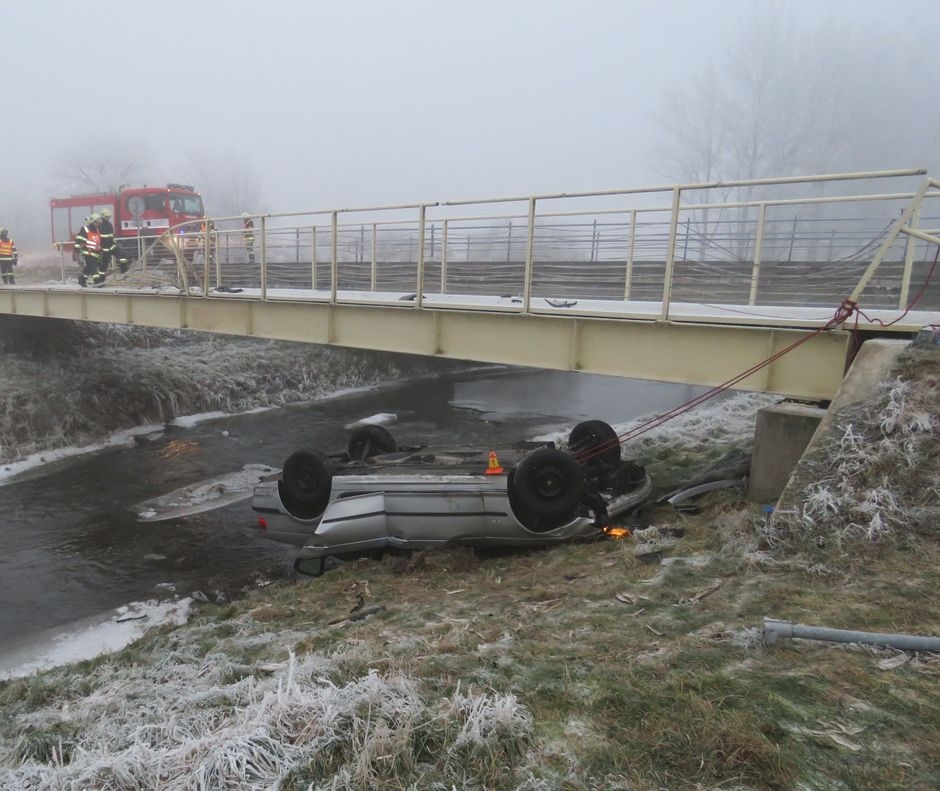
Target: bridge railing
781 242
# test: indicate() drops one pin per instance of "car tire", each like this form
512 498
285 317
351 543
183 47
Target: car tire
548 482
368 441
594 441
306 481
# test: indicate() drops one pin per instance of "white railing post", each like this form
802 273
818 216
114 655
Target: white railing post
529 258
372 280
670 254
758 246
206 254
205 269
264 259
631 246
908 262
313 257
334 226
444 260
422 213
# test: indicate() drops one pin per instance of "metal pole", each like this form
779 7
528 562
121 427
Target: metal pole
529 258
205 262
419 296
792 237
908 262
214 241
758 246
333 263
264 259
373 256
628 278
670 254
774 630
313 257
444 260
509 244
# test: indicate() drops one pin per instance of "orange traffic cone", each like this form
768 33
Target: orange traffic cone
493 468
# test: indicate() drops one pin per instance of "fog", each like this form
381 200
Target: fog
308 105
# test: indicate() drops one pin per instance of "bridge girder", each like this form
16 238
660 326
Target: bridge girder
670 351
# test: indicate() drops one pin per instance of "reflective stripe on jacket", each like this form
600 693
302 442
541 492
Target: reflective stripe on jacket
83 243
7 250
108 243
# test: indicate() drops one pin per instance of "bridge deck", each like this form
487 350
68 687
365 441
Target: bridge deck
682 283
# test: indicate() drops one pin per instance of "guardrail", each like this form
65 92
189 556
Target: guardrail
742 242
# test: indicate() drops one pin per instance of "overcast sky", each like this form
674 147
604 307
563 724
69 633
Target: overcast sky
346 102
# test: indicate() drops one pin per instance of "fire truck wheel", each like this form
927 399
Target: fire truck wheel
548 482
368 441
306 481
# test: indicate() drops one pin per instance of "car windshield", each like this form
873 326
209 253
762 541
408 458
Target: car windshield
186 204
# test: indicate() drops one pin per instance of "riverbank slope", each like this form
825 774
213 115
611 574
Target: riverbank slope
632 664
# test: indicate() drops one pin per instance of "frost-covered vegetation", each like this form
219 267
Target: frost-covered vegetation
67 383
580 667
203 721
877 472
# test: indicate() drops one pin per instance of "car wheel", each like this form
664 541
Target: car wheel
306 481
548 482
594 440
367 441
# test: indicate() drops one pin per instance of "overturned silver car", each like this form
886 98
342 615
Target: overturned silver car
377 495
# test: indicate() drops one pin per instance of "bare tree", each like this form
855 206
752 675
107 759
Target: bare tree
228 182
787 98
99 164
783 99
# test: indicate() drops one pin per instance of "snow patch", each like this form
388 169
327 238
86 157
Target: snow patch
188 421
381 419
91 637
120 439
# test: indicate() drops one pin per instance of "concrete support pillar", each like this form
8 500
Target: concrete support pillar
782 433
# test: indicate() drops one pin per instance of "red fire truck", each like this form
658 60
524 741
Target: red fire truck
138 213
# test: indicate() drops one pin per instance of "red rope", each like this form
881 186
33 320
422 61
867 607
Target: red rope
844 311
841 315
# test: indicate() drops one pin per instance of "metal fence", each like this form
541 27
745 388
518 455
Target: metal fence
795 241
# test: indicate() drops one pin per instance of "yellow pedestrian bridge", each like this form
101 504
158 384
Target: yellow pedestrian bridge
765 285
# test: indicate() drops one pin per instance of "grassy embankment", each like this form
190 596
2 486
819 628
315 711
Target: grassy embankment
598 665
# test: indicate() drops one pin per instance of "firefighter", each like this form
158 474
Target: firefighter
249 233
8 256
109 248
88 249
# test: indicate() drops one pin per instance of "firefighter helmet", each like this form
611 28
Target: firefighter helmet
2 229
245 214
105 212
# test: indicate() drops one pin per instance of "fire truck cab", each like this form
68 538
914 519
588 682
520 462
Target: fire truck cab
137 213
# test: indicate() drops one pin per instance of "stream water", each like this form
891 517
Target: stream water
70 544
